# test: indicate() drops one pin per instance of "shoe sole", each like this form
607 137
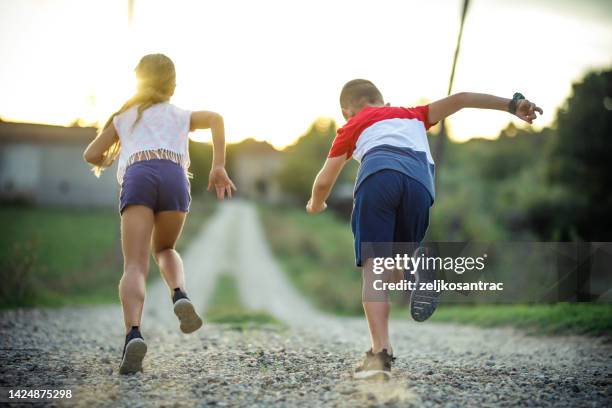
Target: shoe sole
132 359
423 303
375 375
189 319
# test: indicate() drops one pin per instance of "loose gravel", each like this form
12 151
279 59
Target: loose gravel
438 364
305 362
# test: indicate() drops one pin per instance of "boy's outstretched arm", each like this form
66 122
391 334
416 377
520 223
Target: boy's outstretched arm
218 176
324 183
443 108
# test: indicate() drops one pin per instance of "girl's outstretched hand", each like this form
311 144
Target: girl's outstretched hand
220 180
527 110
311 209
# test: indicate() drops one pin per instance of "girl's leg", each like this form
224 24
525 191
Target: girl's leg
167 230
168 227
136 227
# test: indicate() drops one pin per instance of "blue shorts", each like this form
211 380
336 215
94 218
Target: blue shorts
161 185
389 207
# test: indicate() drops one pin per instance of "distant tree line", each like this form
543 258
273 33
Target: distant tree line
553 184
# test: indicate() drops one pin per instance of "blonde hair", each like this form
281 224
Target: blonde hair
156 79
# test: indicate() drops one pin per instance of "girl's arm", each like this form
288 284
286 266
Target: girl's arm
324 183
218 175
94 153
443 108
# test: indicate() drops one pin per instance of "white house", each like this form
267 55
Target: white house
254 168
43 164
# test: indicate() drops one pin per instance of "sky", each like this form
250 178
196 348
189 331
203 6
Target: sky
272 67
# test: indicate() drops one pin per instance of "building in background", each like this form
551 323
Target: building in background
43 165
254 168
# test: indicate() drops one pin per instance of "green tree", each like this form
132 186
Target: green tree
304 159
580 167
200 155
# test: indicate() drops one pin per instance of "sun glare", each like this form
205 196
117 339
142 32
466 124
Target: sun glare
272 77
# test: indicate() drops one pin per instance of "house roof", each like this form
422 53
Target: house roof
12 132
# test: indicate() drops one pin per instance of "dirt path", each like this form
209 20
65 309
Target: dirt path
308 363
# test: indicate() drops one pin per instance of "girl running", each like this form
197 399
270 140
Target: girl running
150 137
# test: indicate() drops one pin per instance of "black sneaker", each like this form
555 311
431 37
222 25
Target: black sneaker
423 302
375 366
134 351
184 310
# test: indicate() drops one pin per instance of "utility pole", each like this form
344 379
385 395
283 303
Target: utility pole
130 14
442 136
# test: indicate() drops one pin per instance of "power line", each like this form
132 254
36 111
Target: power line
441 139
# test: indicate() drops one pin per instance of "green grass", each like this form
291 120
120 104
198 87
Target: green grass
561 318
49 255
61 256
317 254
225 307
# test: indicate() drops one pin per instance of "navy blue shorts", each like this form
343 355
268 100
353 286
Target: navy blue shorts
161 185
389 207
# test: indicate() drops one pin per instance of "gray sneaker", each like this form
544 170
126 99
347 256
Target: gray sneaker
375 366
423 302
134 351
184 310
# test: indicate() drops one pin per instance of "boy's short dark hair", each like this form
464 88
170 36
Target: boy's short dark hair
358 92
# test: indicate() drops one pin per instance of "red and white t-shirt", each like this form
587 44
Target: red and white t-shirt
383 125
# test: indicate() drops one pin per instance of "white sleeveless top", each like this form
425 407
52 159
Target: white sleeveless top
161 133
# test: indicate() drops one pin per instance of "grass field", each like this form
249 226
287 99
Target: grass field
561 318
317 254
59 256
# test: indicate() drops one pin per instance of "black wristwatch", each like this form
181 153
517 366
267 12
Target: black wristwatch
514 101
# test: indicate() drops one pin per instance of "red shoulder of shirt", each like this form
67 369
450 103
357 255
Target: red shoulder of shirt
347 135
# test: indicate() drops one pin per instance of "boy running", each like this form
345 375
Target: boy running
394 188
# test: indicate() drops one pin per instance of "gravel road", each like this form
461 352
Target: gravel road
305 362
